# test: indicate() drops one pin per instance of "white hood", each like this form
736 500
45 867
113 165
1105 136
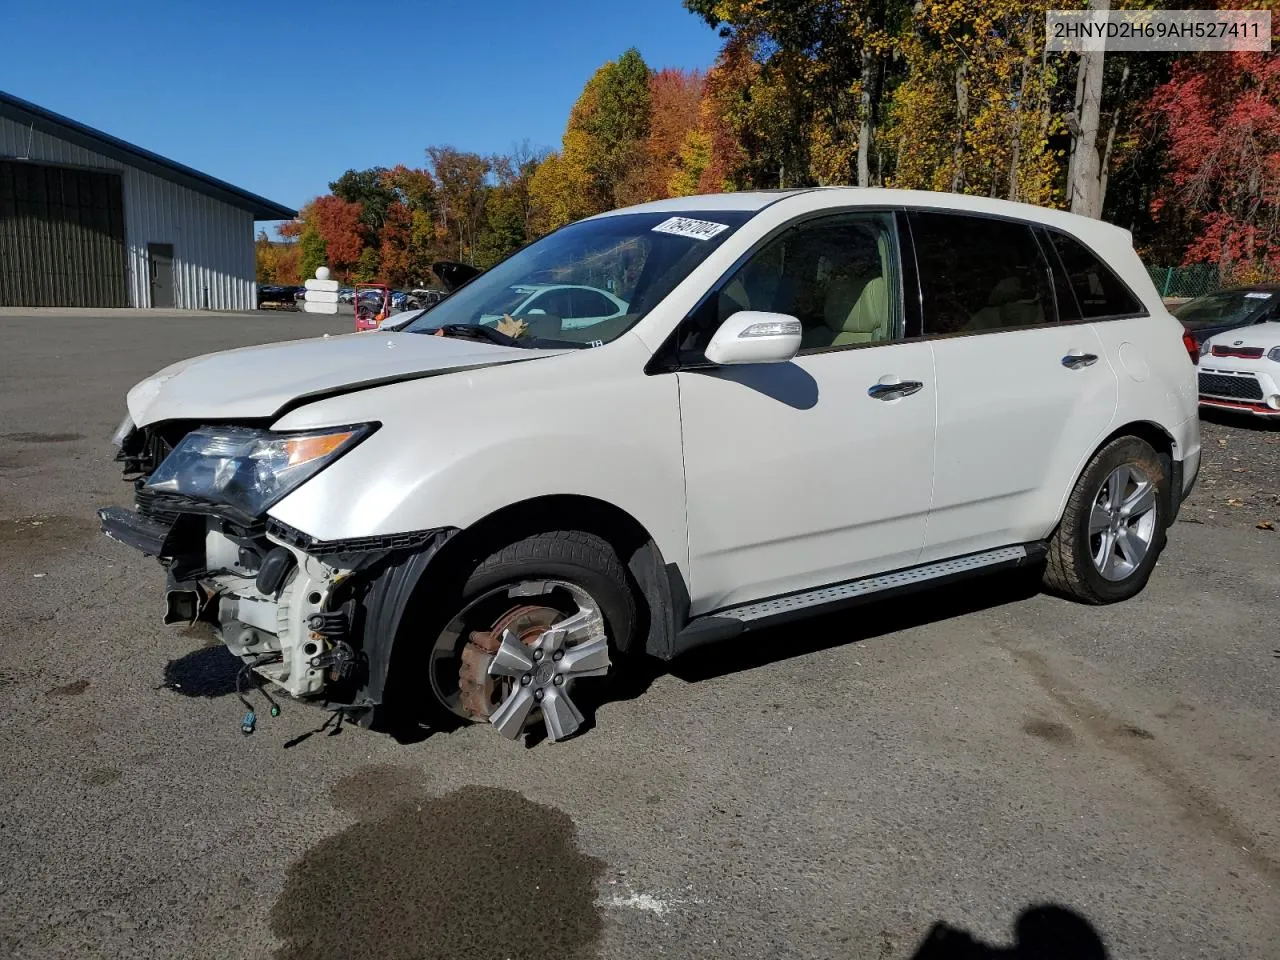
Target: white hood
257 382
1265 335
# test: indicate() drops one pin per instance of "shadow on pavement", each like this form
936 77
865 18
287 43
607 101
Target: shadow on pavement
211 671
1043 932
206 672
862 622
1243 421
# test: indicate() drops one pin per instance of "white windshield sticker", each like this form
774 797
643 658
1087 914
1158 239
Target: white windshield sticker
1258 296
694 229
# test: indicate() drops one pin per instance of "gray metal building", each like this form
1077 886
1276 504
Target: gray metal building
88 220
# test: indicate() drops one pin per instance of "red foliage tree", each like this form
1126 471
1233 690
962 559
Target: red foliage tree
396 257
1220 113
674 99
338 222
725 91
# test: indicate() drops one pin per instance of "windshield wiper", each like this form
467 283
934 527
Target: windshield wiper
480 332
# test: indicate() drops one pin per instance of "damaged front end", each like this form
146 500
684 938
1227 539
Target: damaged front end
316 618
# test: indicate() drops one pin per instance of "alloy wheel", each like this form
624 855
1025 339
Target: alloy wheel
1122 522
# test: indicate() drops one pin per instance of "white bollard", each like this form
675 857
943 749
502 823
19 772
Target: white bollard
322 293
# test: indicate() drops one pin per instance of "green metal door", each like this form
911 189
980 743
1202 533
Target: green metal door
61 237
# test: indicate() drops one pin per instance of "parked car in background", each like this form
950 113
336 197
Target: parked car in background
1223 310
1240 370
569 306
346 294
278 296
795 401
421 298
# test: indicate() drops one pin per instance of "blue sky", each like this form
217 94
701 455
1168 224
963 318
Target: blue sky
280 97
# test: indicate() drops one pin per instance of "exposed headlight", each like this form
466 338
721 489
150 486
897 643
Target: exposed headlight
1205 348
122 431
250 469
1274 354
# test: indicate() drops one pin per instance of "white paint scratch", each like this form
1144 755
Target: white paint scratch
639 901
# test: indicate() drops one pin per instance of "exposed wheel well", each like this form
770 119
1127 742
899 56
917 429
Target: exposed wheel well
656 582
1153 434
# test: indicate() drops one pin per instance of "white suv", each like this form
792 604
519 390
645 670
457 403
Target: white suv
814 398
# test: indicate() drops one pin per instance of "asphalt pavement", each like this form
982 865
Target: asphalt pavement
974 770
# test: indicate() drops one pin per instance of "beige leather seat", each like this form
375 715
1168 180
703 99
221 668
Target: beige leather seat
856 311
1009 305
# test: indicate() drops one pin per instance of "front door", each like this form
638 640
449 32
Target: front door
160 269
810 472
1023 399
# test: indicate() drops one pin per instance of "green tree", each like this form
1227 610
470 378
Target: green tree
604 141
368 267
369 188
314 253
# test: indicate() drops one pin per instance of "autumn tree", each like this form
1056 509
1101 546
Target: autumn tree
1220 116
975 112
817 99
277 261
508 207
559 188
334 234
674 151
369 188
461 182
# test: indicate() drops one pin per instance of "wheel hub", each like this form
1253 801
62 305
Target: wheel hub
528 660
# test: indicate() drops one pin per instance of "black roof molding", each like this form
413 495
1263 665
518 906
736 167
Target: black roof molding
46 121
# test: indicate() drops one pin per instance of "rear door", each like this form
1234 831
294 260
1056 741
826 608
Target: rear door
1023 398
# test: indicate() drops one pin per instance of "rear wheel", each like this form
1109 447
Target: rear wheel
532 621
1113 528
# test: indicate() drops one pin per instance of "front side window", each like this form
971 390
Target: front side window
637 258
837 275
589 303
979 274
1098 292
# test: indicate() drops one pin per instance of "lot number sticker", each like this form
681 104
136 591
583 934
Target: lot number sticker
694 229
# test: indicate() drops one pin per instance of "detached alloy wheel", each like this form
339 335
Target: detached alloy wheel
1113 527
534 619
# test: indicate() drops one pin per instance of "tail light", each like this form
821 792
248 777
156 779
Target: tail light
1193 348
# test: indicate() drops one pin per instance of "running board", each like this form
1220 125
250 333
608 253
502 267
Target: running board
732 621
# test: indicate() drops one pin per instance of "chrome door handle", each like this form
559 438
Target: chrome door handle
1074 361
894 391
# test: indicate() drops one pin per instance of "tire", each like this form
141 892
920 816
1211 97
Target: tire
1071 569
581 559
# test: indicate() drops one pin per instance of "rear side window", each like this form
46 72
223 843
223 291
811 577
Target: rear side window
978 274
1098 292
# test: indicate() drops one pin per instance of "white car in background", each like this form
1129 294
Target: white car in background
1240 370
795 401
574 305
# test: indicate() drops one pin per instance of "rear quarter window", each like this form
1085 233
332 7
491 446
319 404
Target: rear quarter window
1098 292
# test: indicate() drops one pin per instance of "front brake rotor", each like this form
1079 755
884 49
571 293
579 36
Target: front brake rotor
478 693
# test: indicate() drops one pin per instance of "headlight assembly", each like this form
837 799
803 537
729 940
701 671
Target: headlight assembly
250 470
1274 354
1205 348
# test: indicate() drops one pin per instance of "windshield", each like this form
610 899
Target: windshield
588 283
1215 309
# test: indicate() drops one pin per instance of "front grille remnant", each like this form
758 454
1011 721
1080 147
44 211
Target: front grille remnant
1237 388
